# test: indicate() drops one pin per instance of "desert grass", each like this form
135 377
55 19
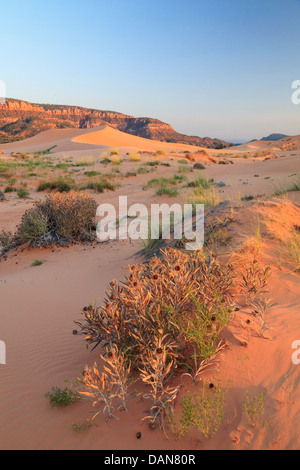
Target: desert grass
85 161
208 197
135 157
292 250
203 411
254 409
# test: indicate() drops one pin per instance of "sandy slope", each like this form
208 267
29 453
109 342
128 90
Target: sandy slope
39 304
115 138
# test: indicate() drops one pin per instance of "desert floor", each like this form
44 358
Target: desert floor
38 305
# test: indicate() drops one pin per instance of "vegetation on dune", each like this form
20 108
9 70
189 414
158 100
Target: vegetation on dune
166 319
60 218
59 398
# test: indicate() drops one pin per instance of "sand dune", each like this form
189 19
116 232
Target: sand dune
269 145
85 139
39 304
115 138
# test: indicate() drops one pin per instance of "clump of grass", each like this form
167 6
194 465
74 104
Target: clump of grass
135 157
116 160
292 244
61 398
165 185
204 411
85 161
92 173
81 427
22 193
58 185
45 152
165 190
208 197
254 409
100 186
114 151
199 182
160 152
37 263
198 166
10 189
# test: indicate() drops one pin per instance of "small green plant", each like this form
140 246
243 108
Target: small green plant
198 166
204 411
200 182
45 152
58 185
100 186
37 263
61 398
254 409
22 193
81 427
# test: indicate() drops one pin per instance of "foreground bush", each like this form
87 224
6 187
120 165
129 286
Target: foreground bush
167 316
60 218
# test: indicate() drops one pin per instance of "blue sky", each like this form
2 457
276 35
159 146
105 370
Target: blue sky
210 68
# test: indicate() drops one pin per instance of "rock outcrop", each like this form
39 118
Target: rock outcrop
20 120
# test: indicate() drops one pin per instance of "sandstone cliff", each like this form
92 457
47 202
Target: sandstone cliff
21 119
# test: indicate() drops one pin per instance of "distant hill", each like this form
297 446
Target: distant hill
274 137
21 119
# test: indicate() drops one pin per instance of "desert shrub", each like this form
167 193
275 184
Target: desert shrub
22 193
85 161
92 173
36 262
199 182
208 197
58 185
59 398
166 190
10 189
135 157
59 218
2 197
100 186
198 166
172 308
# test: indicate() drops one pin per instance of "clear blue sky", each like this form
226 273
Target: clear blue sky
211 68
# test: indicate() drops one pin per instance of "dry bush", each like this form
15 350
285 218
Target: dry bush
167 316
60 218
253 279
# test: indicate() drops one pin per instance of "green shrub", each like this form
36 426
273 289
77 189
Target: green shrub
58 185
22 193
61 398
